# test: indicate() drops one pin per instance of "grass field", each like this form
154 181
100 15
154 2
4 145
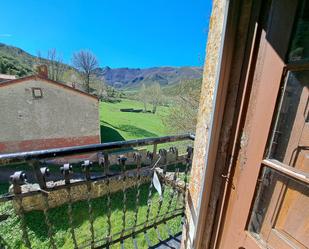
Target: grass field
11 235
117 125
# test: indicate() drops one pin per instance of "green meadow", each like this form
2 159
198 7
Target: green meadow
117 125
11 232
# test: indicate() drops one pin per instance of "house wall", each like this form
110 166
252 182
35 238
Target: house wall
61 117
212 65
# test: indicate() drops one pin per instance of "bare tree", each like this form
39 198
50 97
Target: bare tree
184 108
86 62
143 95
154 93
55 66
54 63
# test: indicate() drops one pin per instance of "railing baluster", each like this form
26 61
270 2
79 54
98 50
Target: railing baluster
154 151
86 166
172 192
135 243
187 165
174 183
38 174
163 154
147 239
158 233
122 162
184 219
170 234
17 179
106 163
109 203
66 170
138 159
48 223
121 244
44 171
150 156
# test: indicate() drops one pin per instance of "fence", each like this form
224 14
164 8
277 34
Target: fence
123 204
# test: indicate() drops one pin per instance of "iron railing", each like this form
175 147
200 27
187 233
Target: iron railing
140 195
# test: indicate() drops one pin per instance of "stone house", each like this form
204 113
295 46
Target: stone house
39 113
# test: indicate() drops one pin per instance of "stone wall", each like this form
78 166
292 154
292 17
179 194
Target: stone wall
58 195
78 192
206 108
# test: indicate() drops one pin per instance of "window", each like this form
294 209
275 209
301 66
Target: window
37 93
279 217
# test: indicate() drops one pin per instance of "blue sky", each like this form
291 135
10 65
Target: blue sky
122 33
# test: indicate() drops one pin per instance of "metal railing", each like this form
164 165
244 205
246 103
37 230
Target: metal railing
151 184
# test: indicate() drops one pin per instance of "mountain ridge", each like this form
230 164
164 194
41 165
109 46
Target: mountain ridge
22 63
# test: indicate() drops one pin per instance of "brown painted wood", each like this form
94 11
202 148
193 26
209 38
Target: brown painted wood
290 227
254 138
286 223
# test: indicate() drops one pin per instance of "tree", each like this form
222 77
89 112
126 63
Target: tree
54 63
154 93
184 109
143 96
55 67
86 62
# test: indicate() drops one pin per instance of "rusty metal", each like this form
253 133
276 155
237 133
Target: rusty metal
86 166
158 161
122 161
18 179
138 159
163 154
149 201
109 203
39 174
49 225
140 230
67 170
21 213
69 151
78 182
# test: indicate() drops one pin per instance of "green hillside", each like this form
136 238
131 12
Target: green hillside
16 61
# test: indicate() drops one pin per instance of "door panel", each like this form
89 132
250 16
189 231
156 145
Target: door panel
280 217
288 217
270 202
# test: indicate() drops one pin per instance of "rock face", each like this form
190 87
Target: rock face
134 77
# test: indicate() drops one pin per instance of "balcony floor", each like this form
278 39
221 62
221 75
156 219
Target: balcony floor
173 242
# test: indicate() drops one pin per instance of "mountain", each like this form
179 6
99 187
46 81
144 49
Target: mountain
16 61
128 78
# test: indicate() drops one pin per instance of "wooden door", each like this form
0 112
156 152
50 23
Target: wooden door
268 206
280 217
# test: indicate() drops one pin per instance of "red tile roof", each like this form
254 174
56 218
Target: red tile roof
36 77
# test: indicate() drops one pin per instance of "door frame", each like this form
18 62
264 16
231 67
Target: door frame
259 99
239 63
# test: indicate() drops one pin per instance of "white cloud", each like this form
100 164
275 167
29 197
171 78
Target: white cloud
5 35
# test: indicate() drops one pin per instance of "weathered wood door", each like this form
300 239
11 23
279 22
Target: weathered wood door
269 204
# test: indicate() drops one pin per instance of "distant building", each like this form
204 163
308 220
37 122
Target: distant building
39 113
